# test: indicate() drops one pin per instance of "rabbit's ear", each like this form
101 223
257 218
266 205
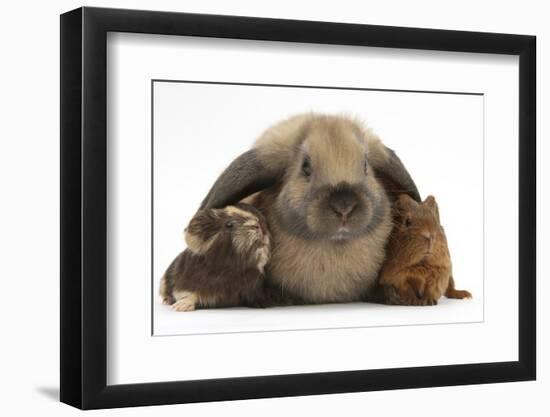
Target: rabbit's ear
393 175
246 175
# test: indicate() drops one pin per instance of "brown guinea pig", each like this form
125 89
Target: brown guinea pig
223 265
418 269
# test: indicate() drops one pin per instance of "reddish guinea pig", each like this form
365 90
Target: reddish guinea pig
418 269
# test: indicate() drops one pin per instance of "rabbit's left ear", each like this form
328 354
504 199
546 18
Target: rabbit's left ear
393 174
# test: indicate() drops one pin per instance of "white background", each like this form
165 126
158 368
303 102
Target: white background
132 60
200 128
30 207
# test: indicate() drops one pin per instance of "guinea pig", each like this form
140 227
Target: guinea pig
325 184
418 269
223 265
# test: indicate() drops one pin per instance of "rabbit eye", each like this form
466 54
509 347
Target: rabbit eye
229 225
306 167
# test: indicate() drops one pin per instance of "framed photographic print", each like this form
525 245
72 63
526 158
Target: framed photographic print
258 207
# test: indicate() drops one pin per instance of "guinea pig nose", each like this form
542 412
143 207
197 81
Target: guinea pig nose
343 202
427 235
262 228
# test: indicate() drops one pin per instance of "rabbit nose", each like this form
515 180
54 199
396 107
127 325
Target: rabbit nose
343 203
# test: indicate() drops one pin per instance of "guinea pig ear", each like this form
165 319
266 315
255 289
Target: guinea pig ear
405 199
430 201
246 175
432 204
392 173
201 231
403 203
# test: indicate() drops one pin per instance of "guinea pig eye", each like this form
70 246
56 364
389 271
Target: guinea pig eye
306 167
229 225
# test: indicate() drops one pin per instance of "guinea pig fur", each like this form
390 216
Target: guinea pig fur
418 269
325 184
224 263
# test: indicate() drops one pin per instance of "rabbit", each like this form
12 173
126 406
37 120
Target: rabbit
418 269
325 184
223 265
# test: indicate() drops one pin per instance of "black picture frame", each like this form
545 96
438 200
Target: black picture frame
84 209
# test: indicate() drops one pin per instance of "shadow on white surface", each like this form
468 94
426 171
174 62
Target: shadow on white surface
312 317
49 392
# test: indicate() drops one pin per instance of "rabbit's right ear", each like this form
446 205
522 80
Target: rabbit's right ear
244 176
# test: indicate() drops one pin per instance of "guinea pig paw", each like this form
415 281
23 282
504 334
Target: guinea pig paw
183 305
166 301
188 302
427 301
